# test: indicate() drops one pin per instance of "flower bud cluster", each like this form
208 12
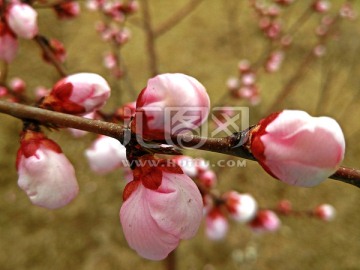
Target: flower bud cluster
245 85
112 29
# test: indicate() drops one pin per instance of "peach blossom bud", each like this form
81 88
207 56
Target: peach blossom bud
41 91
187 164
208 202
248 78
274 61
201 165
45 174
9 43
22 19
80 93
105 155
170 104
208 178
284 207
319 50
57 49
3 91
325 212
233 83
265 221
67 10
244 66
161 207
17 85
216 225
241 207
110 61
321 6
298 149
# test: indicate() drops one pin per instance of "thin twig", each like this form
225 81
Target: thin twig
150 38
176 18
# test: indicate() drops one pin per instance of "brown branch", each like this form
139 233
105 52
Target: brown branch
231 145
170 261
150 38
176 18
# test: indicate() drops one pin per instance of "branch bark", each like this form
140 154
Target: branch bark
231 145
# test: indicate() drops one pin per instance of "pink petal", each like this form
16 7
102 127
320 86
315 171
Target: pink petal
140 229
177 205
48 178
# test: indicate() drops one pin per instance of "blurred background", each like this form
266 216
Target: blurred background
208 44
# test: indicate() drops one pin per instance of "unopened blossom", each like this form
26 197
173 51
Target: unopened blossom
297 148
22 19
162 206
187 164
241 207
208 178
45 174
58 51
67 10
17 85
170 104
265 221
321 6
9 43
79 93
216 225
325 212
105 155
273 63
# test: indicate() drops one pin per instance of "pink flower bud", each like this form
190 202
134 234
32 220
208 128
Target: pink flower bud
9 43
3 91
265 221
187 164
284 207
241 207
273 63
67 10
41 91
22 19
325 212
57 49
298 149
208 178
170 104
45 174
80 93
321 6
17 85
216 225
105 155
161 206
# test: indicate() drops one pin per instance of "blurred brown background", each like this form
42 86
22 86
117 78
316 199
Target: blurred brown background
206 45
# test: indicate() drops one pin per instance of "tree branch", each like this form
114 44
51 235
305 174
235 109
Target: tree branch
176 18
231 145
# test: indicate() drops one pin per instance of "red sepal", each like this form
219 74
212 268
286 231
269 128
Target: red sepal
130 188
